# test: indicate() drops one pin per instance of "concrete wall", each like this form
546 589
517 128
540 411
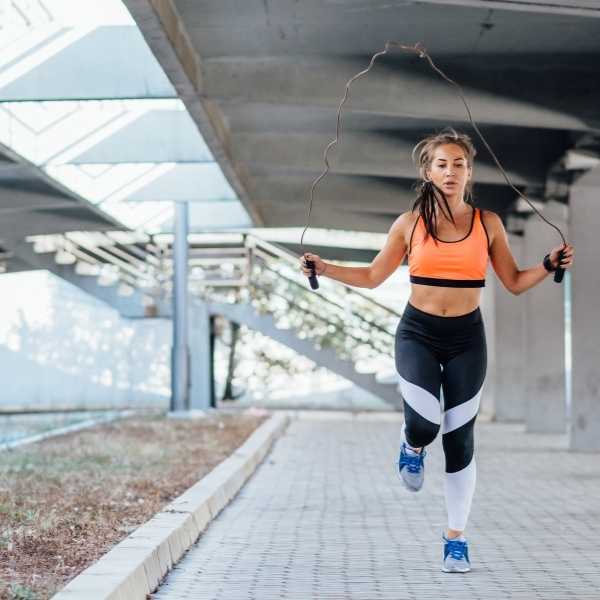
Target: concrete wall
59 347
488 301
510 346
545 330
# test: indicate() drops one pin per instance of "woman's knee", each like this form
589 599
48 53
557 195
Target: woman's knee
458 448
420 432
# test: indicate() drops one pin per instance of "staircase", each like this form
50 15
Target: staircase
242 278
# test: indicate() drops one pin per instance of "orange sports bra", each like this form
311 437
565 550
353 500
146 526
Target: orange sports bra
460 263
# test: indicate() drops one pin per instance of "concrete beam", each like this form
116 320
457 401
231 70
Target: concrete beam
356 154
340 198
333 252
98 74
33 203
401 89
284 192
332 218
577 8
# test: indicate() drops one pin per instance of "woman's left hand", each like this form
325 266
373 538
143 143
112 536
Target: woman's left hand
567 260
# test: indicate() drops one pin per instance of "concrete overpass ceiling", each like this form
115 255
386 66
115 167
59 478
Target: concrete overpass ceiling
103 74
28 198
164 134
389 153
86 107
270 76
362 195
146 182
254 28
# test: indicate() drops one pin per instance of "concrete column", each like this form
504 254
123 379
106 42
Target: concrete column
545 329
180 359
201 361
510 346
488 396
584 429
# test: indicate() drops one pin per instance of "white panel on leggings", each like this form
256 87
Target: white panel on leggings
458 490
421 401
459 415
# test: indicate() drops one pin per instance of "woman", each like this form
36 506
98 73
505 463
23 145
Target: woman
440 340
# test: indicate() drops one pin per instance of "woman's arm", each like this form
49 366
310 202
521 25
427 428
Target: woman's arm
382 266
514 279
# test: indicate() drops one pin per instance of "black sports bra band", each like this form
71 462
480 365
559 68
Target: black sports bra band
455 283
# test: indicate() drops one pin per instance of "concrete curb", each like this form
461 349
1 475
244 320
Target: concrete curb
137 564
38 437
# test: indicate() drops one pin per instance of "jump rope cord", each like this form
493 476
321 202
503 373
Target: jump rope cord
422 52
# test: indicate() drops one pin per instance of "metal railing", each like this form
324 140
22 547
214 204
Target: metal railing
233 268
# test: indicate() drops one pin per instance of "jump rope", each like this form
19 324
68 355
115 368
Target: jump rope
422 53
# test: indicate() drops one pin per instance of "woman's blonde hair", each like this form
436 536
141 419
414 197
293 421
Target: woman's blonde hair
428 194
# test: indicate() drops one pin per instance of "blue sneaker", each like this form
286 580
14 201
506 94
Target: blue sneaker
456 556
411 467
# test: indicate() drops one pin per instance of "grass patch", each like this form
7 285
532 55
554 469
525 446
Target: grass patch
65 501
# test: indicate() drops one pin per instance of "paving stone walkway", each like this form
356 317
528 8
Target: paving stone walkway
325 516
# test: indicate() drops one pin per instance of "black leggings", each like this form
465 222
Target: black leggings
447 354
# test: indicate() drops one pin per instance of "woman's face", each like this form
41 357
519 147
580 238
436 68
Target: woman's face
449 170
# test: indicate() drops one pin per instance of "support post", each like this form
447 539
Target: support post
545 330
584 430
202 392
180 355
510 346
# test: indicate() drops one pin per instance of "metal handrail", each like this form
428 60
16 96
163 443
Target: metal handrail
133 264
324 319
293 259
334 303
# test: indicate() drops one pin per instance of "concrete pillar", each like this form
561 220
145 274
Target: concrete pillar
201 359
180 359
488 397
544 329
510 346
584 429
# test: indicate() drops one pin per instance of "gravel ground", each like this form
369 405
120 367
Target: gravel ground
66 501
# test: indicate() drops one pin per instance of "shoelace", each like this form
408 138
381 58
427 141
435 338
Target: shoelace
413 463
456 549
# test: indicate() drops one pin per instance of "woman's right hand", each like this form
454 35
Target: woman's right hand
319 264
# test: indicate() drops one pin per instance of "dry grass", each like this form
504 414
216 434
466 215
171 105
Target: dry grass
66 501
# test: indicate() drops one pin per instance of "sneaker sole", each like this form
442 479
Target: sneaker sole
446 570
411 489
408 487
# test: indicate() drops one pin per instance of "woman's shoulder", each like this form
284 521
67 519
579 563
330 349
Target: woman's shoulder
489 218
492 223
405 220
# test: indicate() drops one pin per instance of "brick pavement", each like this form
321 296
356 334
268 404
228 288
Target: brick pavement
326 517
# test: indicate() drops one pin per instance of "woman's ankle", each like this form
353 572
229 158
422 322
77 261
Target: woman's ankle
453 533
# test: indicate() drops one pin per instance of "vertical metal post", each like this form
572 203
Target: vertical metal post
213 396
180 354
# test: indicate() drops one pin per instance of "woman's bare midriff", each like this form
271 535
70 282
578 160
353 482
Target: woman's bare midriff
443 301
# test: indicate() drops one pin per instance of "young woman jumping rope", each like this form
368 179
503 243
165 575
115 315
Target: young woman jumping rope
440 340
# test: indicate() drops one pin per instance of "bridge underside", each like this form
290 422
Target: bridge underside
263 81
